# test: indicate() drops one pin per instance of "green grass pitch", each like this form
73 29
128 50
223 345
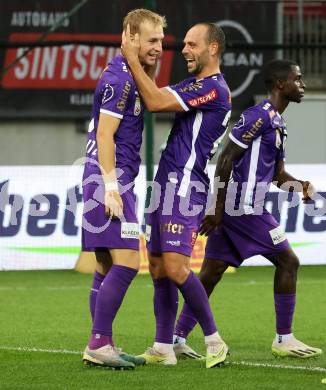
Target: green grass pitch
45 324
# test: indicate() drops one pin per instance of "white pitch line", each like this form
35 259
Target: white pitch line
286 367
47 288
233 363
32 349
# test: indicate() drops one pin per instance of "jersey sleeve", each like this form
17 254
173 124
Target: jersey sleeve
114 95
248 128
202 95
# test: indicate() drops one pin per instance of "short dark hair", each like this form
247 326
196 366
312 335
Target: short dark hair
276 70
214 34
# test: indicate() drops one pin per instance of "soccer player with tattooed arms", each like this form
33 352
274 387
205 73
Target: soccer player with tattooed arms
238 226
202 104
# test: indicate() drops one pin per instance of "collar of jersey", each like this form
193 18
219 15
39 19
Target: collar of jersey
210 76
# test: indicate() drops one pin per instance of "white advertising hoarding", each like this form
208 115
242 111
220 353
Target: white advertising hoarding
41 213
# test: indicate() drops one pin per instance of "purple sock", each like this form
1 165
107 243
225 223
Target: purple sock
98 279
186 322
284 309
196 298
98 340
165 309
109 299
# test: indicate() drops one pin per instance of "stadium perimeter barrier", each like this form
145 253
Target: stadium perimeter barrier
40 225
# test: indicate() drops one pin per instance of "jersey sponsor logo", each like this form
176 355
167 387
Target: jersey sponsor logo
124 96
137 108
129 230
192 87
174 243
107 94
208 97
249 135
277 235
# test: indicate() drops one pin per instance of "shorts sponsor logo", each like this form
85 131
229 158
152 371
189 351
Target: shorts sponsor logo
148 232
277 235
129 230
208 97
174 228
174 243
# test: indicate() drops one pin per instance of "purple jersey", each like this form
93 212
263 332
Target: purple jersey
195 134
262 132
116 95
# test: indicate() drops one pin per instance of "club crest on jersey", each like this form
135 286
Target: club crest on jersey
208 97
278 140
137 108
108 93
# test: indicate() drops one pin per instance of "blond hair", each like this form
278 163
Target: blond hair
135 17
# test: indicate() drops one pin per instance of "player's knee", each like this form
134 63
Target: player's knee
156 271
294 262
156 267
211 275
290 263
176 273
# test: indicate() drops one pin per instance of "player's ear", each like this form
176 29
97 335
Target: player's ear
280 84
214 48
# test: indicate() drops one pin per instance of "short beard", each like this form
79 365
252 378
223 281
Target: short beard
197 70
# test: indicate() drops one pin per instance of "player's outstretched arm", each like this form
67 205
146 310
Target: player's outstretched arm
156 99
230 153
107 127
287 182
